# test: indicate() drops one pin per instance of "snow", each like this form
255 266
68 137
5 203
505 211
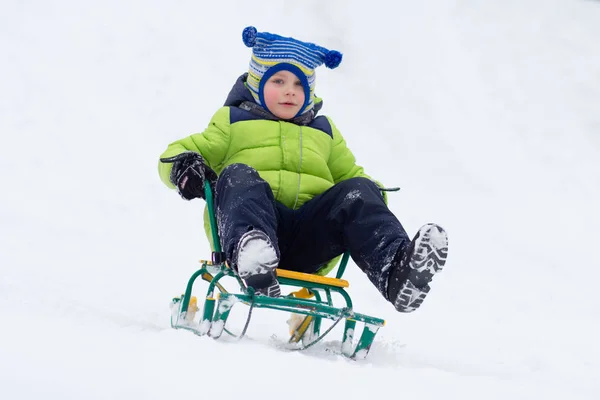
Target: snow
256 255
485 113
352 195
438 239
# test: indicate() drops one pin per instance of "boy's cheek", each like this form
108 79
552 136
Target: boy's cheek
270 93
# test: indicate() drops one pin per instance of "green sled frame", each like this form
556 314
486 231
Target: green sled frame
312 309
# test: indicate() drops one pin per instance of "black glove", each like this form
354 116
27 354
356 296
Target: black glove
189 173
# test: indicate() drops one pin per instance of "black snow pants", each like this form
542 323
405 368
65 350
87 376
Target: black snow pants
350 216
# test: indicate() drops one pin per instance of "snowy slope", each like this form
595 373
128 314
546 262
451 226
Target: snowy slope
486 114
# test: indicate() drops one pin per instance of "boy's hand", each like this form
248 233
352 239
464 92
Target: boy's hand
189 173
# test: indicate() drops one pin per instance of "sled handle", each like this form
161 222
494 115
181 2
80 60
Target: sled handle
211 213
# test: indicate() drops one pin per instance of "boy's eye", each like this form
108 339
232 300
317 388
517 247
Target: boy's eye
278 81
298 83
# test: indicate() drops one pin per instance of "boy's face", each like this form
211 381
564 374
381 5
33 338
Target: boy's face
284 94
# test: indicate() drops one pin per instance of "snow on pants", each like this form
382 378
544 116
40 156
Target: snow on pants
351 215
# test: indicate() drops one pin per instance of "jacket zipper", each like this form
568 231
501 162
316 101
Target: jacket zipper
299 168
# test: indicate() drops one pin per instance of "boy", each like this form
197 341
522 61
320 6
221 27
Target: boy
288 193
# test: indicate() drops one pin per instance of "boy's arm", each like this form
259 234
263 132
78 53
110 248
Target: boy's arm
342 162
212 144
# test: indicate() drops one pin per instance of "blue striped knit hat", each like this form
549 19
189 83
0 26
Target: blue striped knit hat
272 53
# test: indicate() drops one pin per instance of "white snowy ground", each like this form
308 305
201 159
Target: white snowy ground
487 114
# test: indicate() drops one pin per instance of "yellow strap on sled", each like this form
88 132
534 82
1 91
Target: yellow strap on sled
301 276
303 293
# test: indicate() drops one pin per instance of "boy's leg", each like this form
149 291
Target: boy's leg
247 223
352 216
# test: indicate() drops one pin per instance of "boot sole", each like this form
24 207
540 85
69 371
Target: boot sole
261 273
262 266
428 258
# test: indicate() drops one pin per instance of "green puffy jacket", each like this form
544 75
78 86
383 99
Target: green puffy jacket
298 161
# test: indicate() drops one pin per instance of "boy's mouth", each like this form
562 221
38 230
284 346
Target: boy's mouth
288 104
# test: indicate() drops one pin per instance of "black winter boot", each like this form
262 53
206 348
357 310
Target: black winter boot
256 263
414 267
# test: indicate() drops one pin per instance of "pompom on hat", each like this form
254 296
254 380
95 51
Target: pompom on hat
272 53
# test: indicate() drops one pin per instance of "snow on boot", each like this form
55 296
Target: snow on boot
418 263
256 263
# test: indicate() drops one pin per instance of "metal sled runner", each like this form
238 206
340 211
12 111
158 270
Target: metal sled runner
312 303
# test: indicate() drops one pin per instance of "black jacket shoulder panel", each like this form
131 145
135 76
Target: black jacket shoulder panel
322 123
